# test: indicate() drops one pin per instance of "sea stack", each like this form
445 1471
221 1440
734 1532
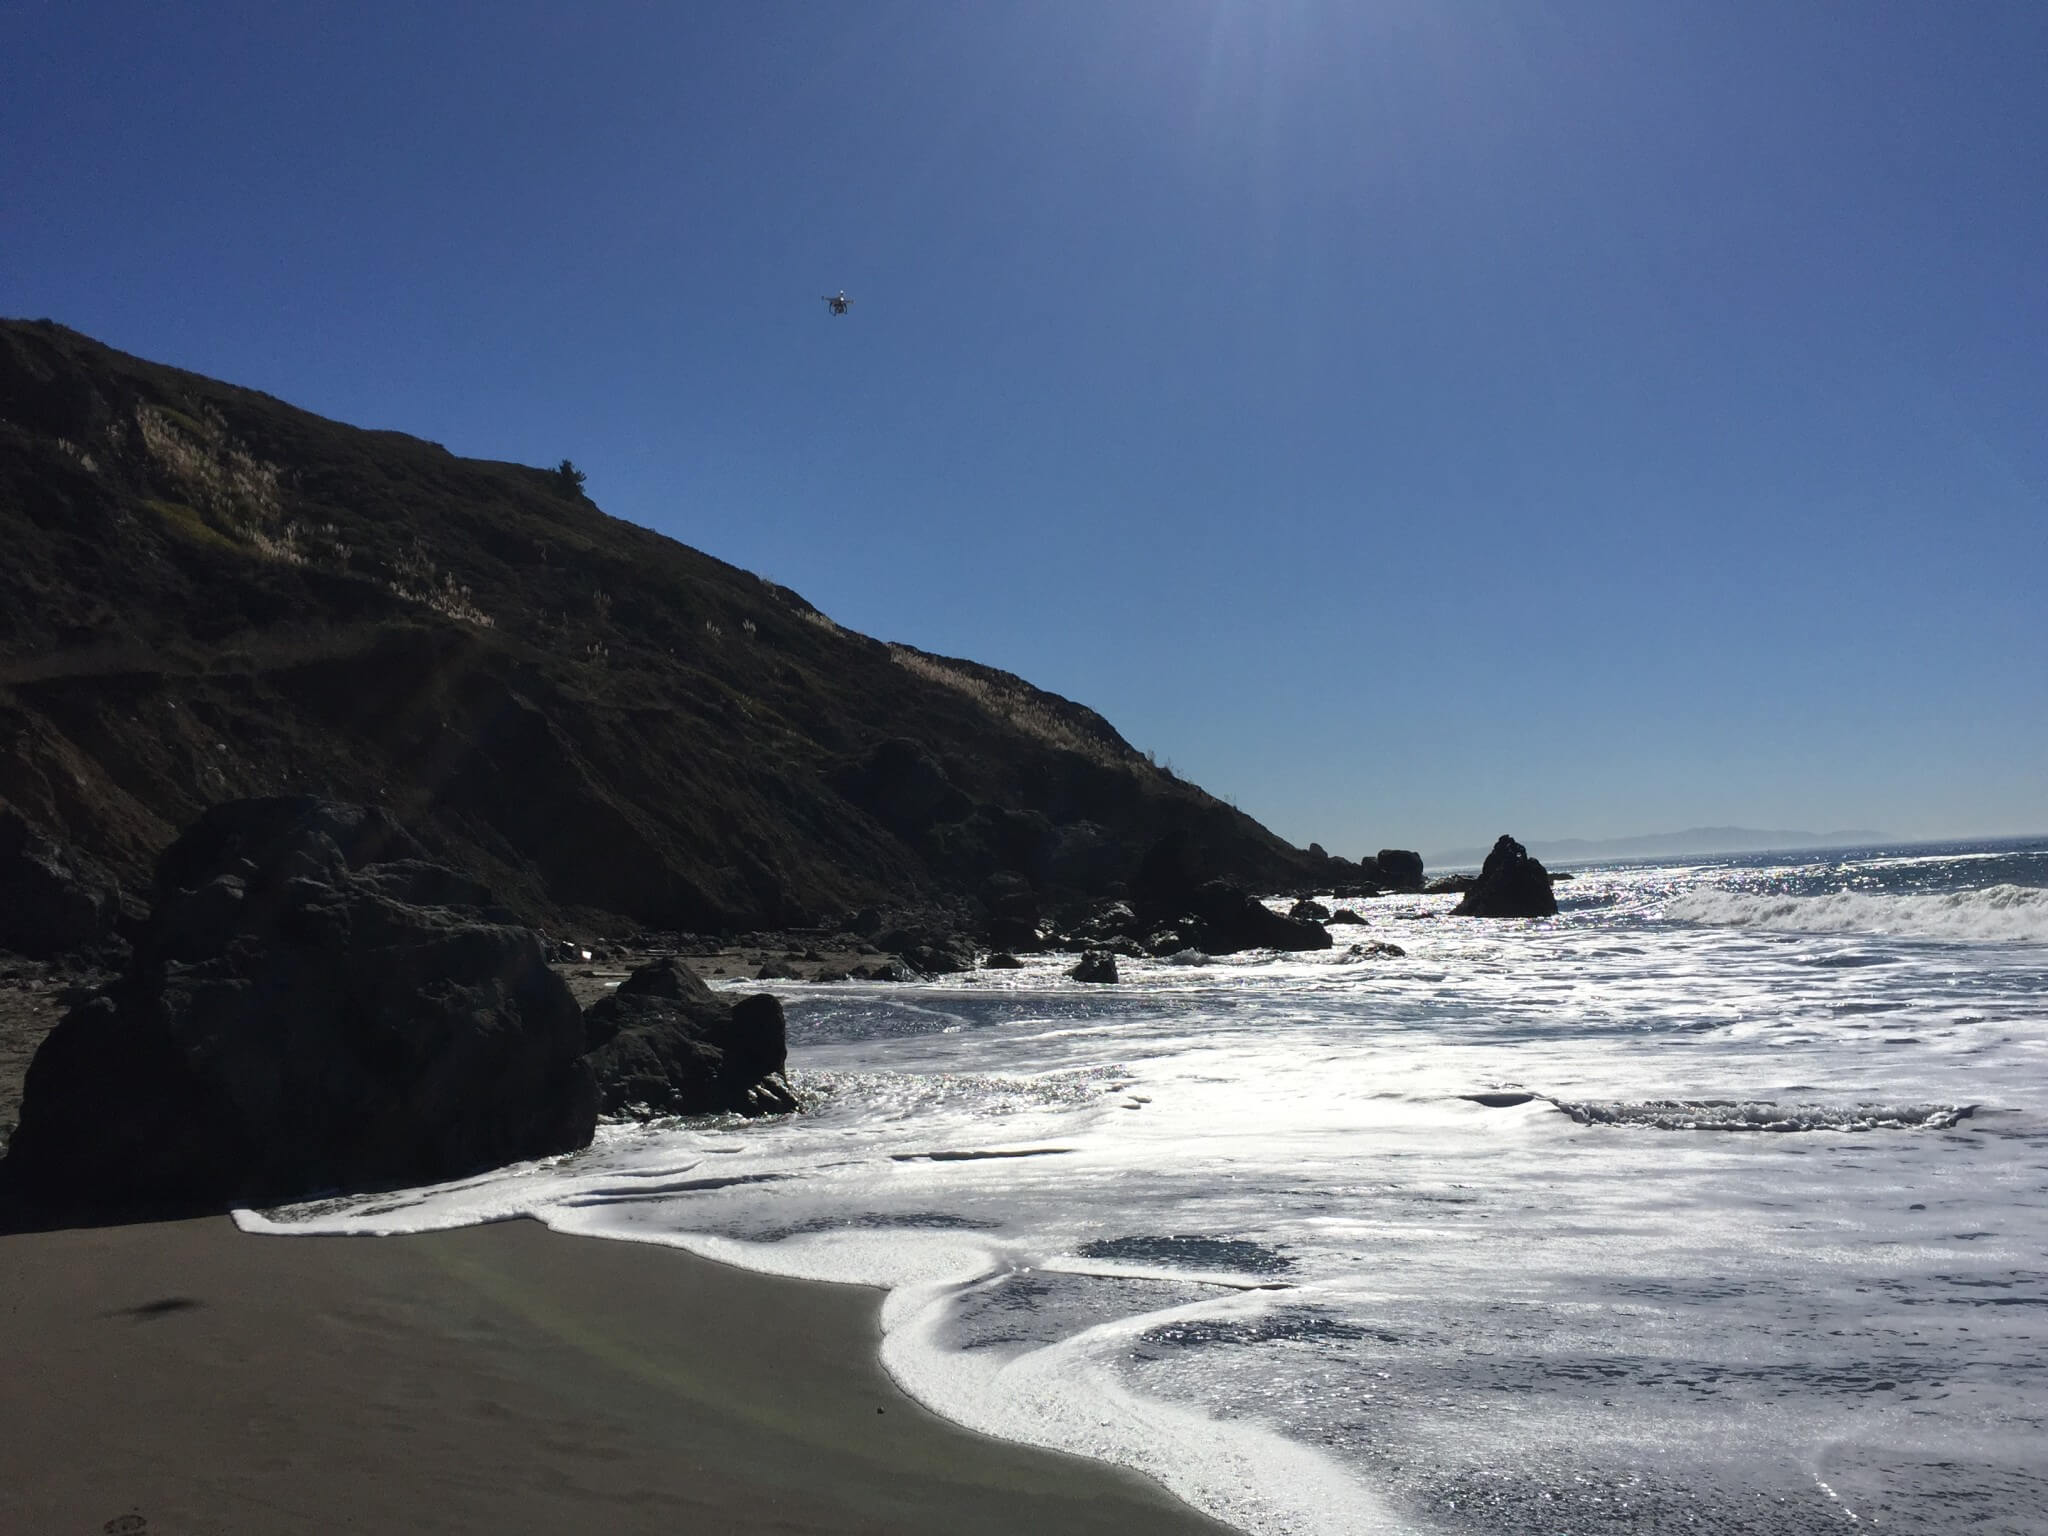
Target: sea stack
1510 884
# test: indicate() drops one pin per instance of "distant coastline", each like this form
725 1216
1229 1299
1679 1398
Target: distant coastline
1662 845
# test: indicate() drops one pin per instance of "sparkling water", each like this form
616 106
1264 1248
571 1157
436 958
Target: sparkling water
1717 1203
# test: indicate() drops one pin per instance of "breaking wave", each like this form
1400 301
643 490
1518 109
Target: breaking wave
1766 1115
1991 914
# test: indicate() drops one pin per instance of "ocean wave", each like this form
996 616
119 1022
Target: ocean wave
1990 914
1766 1115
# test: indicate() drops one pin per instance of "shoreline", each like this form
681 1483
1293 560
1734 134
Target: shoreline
501 1378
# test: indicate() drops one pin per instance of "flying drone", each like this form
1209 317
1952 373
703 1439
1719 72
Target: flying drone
838 302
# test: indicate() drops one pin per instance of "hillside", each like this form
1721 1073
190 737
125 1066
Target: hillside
208 594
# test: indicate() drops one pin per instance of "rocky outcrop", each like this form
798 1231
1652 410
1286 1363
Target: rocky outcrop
1175 909
1510 884
311 1006
1308 910
1229 920
1400 869
665 1043
1376 949
1096 966
934 952
52 901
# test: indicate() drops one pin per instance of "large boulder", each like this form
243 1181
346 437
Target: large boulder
1510 884
1400 869
1096 966
298 1018
1228 919
1176 907
52 901
665 1043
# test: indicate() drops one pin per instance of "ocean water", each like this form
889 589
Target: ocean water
1718 1203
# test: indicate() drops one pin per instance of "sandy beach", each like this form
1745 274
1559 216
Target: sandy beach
184 1378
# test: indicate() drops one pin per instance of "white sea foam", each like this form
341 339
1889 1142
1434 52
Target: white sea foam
1990 914
1768 1115
1485 1315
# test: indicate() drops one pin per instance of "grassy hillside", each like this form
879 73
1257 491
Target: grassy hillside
209 594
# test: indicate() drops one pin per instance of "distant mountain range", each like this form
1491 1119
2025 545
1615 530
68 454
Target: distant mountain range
1665 845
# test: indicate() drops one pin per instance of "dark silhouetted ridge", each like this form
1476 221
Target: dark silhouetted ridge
208 594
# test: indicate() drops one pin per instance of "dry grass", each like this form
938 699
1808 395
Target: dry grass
230 497
417 579
1019 706
218 474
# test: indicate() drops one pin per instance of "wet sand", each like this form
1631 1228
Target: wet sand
184 1378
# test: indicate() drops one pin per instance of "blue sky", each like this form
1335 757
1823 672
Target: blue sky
1412 420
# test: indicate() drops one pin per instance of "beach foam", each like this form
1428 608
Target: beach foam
1310 1242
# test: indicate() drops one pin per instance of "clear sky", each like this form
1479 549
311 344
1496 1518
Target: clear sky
1414 420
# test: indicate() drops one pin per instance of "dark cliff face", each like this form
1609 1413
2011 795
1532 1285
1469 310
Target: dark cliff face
208 594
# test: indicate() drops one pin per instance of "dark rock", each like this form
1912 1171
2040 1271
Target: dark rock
1167 876
1500 1100
1015 936
1111 920
946 959
52 901
667 977
777 970
1400 869
889 970
1306 911
1229 920
1003 962
1346 915
1511 884
1097 966
665 1043
929 948
286 1027
1376 949
1447 885
832 975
